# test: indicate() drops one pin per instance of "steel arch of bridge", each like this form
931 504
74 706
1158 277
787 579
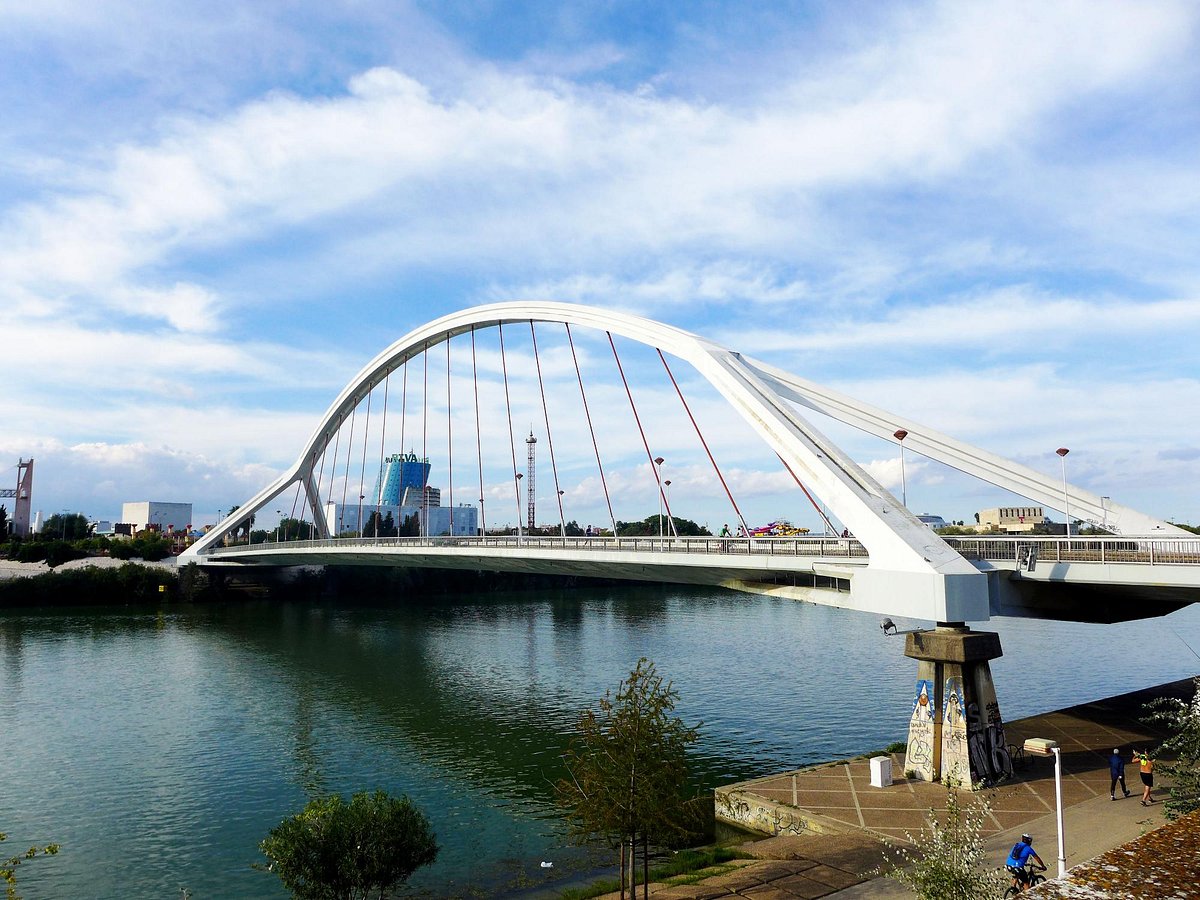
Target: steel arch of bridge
911 570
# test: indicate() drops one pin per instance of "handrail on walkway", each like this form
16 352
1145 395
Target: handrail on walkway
1109 550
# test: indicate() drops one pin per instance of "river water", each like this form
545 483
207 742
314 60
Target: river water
159 747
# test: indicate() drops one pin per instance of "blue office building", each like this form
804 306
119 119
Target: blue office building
399 472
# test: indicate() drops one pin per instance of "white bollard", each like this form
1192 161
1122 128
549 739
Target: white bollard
881 771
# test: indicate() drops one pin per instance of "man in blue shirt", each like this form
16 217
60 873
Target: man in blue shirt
1116 768
1017 860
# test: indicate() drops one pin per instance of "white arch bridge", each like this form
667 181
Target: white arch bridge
894 564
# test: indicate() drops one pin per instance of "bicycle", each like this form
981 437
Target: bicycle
1035 877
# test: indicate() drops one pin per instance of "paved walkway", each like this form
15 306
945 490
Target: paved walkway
839 797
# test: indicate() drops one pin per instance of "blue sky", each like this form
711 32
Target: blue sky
983 217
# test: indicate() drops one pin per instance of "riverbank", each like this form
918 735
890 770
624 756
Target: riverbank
13 569
857 819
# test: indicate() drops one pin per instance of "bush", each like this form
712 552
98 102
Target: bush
333 849
946 861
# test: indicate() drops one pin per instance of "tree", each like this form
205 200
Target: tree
411 527
1182 720
67 527
333 849
3 523
9 865
627 768
946 860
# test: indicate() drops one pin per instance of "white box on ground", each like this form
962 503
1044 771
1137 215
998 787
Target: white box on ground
881 771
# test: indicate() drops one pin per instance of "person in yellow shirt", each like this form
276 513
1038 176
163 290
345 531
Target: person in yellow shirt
1146 766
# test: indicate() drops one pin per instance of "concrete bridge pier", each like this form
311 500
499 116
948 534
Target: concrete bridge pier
955 730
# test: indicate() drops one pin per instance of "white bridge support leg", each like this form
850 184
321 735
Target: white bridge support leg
955 731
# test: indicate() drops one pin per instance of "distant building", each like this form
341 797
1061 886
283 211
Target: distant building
934 522
1011 519
461 521
102 527
157 515
399 472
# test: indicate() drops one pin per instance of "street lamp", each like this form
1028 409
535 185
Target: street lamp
667 485
658 461
1047 747
1062 455
561 519
900 435
361 498
519 477
279 513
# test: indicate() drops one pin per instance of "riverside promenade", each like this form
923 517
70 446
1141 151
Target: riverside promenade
854 819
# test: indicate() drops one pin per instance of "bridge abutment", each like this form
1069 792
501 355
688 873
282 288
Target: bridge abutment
955 730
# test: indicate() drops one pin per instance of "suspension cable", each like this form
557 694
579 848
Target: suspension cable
337 443
811 499
449 440
346 479
511 441
362 472
295 502
549 439
387 381
645 443
425 443
716 468
478 438
588 414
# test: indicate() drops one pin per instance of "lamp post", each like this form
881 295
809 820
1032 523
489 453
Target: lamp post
1047 747
1062 455
519 477
278 524
561 520
658 461
667 485
900 435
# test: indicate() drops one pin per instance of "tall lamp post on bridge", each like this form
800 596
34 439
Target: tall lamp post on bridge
667 485
519 477
658 461
1062 455
278 524
900 435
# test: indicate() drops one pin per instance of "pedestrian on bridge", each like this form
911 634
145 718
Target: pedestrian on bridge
1116 768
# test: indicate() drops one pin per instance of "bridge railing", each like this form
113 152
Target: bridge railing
1105 549
1111 550
725 546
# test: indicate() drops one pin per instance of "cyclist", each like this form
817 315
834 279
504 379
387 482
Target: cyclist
1018 858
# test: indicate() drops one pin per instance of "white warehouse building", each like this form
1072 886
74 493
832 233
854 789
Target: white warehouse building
164 516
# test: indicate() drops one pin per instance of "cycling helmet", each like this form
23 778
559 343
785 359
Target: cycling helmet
1027 838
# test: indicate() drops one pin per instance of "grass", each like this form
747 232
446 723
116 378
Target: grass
685 867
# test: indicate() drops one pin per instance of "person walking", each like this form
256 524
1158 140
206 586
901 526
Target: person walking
1146 765
1116 768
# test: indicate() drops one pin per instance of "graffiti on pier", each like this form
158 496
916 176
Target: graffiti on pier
919 756
986 743
956 761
